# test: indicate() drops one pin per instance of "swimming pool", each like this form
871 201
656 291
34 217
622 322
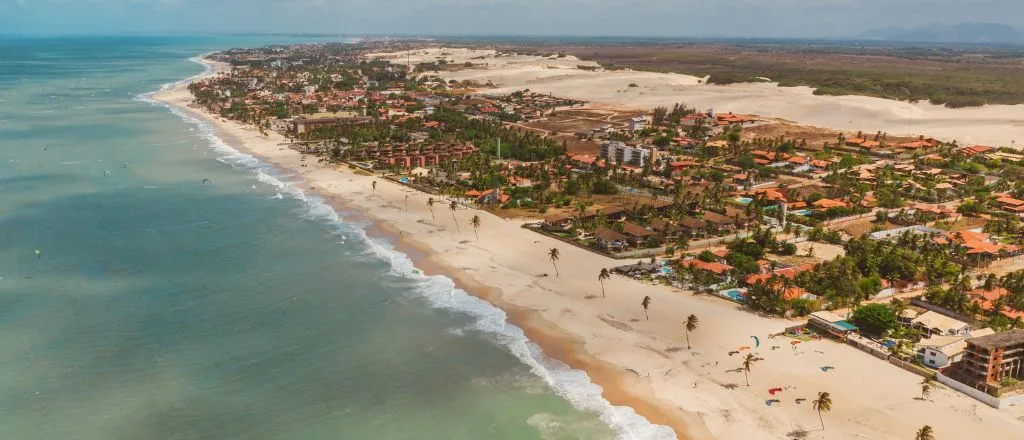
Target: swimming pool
403 179
738 295
744 200
803 212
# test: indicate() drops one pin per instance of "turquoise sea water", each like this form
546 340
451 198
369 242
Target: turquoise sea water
162 308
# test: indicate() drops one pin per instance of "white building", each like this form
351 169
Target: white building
639 123
940 351
620 153
309 90
933 323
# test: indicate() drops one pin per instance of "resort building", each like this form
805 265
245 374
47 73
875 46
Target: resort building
620 153
992 359
639 123
831 323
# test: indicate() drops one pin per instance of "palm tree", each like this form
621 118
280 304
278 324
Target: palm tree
747 363
691 325
926 387
925 433
822 404
475 221
645 304
553 256
453 206
430 205
601 277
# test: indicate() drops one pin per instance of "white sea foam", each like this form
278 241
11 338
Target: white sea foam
440 292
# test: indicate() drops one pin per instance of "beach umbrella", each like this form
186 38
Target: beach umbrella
757 342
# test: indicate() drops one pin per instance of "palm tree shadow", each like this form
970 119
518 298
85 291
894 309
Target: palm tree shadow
730 386
590 297
797 433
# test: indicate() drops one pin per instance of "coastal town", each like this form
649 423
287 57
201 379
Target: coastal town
905 246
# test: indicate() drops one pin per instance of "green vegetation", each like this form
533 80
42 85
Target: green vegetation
874 319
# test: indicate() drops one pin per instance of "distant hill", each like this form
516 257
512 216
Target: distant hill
957 33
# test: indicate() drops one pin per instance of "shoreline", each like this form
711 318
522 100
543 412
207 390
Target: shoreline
640 364
615 386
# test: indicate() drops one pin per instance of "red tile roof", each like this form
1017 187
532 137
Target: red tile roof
716 268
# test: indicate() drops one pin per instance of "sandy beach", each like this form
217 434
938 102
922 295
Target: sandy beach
994 125
645 364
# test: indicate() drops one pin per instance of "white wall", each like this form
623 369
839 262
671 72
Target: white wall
966 389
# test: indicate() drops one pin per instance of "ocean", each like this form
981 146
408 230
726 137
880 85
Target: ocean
137 302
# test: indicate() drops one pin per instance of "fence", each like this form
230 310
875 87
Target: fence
911 367
968 390
867 346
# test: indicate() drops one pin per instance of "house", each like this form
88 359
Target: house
975 150
829 203
788 272
637 235
681 165
987 300
721 222
491 197
663 228
714 267
820 165
915 145
1010 204
798 161
584 161
557 222
693 226
610 240
940 351
978 244
933 323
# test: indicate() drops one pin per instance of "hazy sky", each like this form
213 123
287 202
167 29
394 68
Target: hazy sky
768 18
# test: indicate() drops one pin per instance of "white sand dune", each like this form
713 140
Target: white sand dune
643 363
995 125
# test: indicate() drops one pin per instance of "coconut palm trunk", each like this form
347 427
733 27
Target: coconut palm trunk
453 206
475 222
604 275
553 256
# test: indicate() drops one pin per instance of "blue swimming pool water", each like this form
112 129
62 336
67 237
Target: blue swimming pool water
736 295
